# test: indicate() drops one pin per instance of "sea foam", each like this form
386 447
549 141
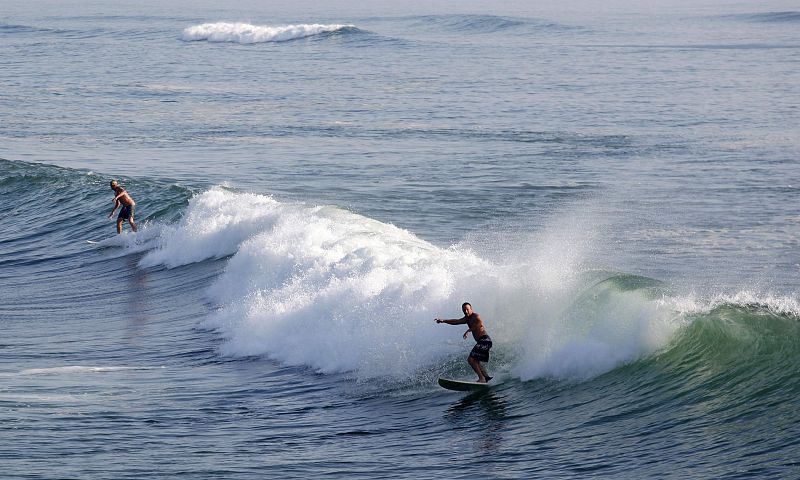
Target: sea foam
247 33
335 291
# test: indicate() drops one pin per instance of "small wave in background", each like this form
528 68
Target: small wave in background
768 17
484 24
246 33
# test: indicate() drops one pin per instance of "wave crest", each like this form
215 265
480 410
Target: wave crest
246 33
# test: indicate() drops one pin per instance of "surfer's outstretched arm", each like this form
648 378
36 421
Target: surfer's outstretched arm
452 321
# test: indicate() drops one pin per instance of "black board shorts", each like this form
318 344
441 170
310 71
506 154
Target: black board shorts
480 351
126 212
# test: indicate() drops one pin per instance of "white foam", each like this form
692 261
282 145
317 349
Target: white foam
247 33
146 238
339 292
776 304
214 226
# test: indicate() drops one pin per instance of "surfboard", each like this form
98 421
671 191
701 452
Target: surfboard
462 386
92 242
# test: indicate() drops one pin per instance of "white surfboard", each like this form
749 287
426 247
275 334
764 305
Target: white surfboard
462 386
92 242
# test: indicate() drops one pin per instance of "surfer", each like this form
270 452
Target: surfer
480 352
123 199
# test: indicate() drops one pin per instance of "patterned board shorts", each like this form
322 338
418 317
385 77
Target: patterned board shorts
480 351
126 213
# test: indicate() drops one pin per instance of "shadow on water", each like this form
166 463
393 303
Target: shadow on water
485 410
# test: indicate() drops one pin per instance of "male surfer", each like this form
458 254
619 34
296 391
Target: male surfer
123 199
480 352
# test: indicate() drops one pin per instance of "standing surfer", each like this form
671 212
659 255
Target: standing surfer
123 199
480 352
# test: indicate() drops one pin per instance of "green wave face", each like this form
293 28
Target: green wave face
751 351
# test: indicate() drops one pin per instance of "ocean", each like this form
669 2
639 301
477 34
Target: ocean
614 188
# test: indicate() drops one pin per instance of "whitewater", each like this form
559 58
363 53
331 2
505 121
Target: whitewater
246 33
614 191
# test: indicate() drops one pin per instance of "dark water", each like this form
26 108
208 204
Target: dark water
614 191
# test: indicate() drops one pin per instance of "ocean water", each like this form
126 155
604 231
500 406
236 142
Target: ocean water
613 187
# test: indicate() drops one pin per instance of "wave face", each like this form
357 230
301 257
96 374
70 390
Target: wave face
246 33
737 357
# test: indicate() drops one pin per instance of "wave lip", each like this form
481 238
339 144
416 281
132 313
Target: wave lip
246 33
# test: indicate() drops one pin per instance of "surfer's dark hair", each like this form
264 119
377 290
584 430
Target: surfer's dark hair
465 304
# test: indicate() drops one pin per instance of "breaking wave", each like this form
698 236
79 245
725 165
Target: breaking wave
246 33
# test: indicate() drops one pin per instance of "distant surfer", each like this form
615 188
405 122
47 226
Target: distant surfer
122 199
480 352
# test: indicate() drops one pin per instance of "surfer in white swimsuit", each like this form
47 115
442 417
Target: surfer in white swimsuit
480 352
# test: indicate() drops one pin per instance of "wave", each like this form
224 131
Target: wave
321 287
737 356
471 23
329 289
246 33
325 288
768 17
31 236
482 24
8 28
11 28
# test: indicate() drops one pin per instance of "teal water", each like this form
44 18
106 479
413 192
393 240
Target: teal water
614 191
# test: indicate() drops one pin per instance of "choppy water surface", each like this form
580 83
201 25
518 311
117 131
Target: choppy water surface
614 191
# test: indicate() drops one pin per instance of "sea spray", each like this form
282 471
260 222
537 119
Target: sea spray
566 319
600 328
